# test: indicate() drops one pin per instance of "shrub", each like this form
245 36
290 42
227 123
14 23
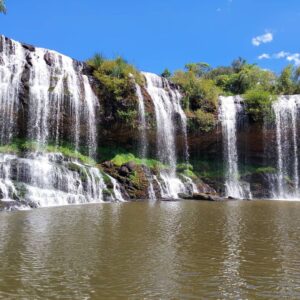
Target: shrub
259 104
199 92
124 158
202 121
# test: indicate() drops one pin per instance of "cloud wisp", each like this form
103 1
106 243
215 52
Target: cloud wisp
262 39
290 57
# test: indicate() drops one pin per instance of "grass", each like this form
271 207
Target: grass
19 146
71 153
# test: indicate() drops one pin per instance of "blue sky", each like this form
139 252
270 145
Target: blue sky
161 33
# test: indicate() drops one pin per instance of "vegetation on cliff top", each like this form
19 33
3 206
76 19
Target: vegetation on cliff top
117 78
202 85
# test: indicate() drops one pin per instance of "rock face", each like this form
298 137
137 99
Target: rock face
205 197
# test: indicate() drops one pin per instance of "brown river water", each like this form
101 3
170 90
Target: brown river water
165 250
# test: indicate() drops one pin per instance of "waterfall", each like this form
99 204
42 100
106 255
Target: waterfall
47 95
116 189
55 83
144 140
167 106
286 114
12 62
49 180
228 111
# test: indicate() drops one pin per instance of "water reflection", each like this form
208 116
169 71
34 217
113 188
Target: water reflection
179 250
234 284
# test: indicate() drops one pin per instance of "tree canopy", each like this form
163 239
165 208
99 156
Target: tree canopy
2 7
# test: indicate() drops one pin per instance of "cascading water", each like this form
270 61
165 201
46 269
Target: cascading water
286 118
12 62
144 140
228 111
47 93
55 83
167 105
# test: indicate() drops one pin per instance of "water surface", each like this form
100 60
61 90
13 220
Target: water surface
182 250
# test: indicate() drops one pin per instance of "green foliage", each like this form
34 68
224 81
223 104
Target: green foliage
71 153
189 173
265 170
10 149
166 74
118 78
259 104
128 116
19 146
97 61
198 69
135 179
124 158
2 7
184 166
285 83
200 93
115 72
202 121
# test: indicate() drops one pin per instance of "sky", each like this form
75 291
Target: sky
160 34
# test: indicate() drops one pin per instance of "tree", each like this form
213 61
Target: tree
238 64
199 69
285 81
166 74
2 7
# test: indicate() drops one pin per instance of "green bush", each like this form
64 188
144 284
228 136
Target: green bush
201 121
199 93
259 104
124 158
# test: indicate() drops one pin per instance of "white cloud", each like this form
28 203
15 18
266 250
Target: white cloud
281 54
295 58
291 57
264 56
262 39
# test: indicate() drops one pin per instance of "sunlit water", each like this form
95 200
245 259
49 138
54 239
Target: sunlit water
168 250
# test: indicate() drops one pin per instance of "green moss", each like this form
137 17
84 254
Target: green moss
124 158
11 149
71 153
19 146
266 170
135 179
184 166
190 174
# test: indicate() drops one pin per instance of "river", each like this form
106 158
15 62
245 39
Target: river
163 250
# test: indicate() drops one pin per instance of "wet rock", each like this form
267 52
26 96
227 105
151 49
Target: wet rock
204 197
131 166
29 47
108 164
124 171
